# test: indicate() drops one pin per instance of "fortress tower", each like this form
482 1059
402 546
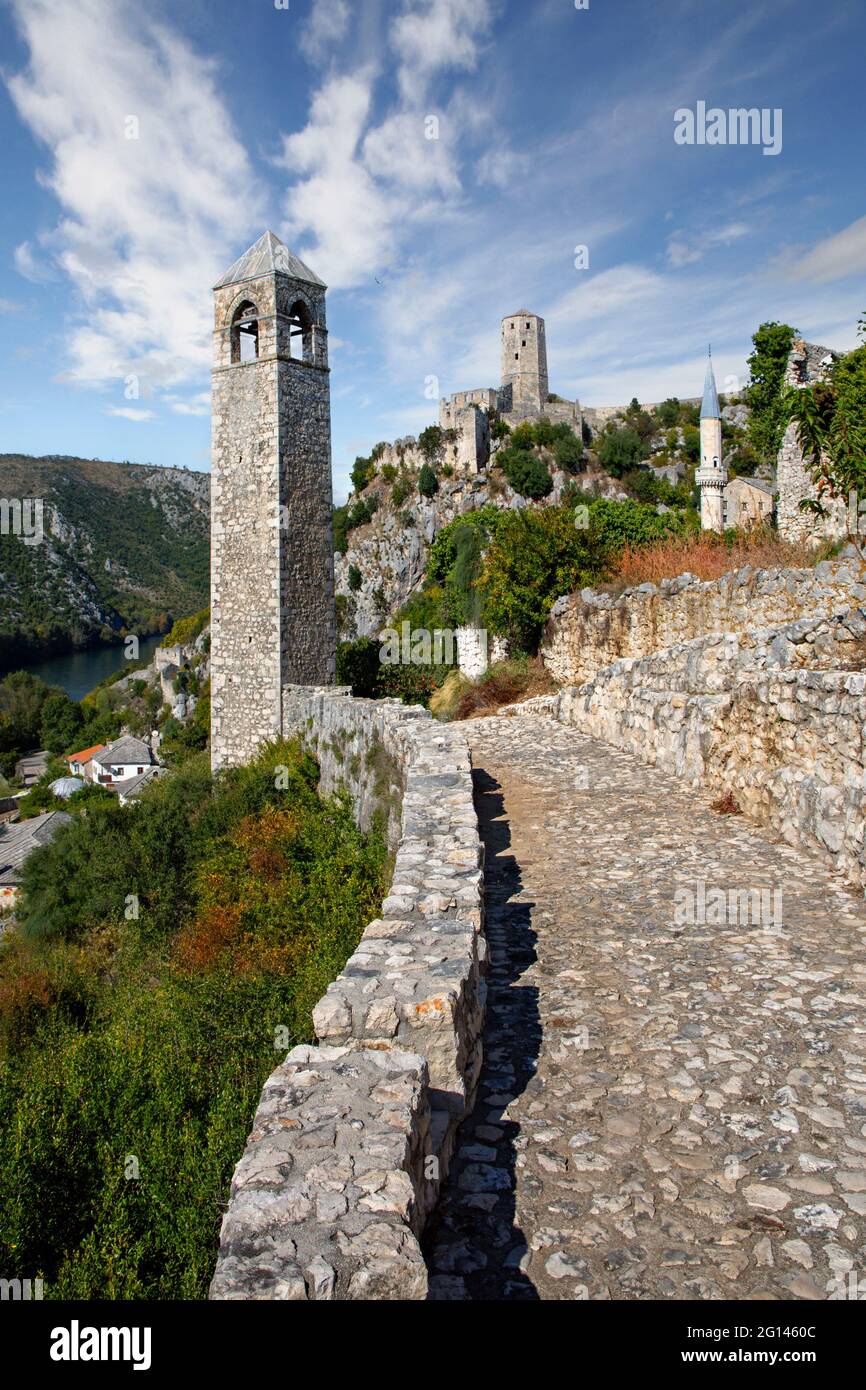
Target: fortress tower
712 475
272 563
524 389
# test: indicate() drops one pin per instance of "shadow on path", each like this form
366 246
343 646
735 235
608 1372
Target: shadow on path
473 1247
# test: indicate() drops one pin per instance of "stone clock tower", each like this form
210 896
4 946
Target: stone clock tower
272 562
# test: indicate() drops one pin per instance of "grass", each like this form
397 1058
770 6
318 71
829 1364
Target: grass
504 684
709 556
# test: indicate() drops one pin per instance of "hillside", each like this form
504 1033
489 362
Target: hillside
383 535
125 548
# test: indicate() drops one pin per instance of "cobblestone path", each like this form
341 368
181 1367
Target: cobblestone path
668 1109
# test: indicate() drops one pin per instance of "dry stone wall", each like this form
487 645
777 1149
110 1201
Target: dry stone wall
775 718
589 630
353 1137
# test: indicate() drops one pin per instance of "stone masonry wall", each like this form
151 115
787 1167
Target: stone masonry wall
807 364
272 567
588 631
353 1137
775 718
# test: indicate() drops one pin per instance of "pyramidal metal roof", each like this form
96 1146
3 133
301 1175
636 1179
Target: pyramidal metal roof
264 257
710 403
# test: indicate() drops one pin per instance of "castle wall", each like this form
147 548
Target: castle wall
353 1137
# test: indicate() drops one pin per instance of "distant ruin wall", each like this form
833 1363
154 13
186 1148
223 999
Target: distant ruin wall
353 1138
588 631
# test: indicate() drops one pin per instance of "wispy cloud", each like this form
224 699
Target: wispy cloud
327 25
156 190
683 249
839 255
129 412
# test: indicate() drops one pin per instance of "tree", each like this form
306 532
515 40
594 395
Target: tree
526 473
60 723
358 665
569 451
428 484
830 419
363 470
620 450
21 699
534 558
431 443
669 412
354 579
772 344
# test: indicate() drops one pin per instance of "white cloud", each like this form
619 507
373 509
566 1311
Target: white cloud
835 257
9 306
327 25
148 223
361 187
33 266
129 412
434 35
684 250
195 405
336 198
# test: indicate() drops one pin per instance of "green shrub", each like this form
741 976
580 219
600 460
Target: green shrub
363 470
133 1050
692 443
568 451
534 558
428 484
401 489
620 449
186 630
525 472
354 579
358 666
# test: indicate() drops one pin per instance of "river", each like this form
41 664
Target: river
78 672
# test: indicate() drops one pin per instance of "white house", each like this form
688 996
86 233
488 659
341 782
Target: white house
122 761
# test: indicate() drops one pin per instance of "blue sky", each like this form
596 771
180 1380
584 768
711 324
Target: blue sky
555 130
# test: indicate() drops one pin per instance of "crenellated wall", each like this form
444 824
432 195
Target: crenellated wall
353 1137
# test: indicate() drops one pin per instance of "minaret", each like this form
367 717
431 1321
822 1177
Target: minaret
712 476
272 561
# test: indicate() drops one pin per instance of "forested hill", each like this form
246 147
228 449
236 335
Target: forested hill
125 548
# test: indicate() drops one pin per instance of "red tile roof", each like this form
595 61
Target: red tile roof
85 755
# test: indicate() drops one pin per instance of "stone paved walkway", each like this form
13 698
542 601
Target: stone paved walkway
668 1109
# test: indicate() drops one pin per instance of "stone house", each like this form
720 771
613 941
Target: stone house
17 843
748 502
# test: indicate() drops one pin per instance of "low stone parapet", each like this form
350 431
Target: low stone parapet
323 1203
407 1006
